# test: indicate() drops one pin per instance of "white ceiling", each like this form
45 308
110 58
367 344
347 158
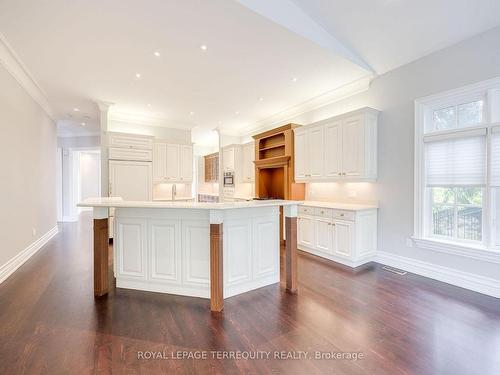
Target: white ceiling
390 33
82 51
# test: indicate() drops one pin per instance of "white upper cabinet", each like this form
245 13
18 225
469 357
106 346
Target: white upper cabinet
186 163
315 152
333 151
172 170
134 141
172 162
159 161
343 147
228 156
248 159
124 146
301 160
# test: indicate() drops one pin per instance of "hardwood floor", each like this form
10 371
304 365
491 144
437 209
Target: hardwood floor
51 324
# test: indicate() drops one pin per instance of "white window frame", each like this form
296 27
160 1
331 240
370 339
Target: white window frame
424 108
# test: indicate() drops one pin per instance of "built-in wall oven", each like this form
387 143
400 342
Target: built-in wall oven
228 179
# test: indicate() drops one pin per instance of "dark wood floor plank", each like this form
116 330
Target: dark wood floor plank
51 324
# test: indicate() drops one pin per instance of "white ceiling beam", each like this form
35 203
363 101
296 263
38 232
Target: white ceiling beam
289 15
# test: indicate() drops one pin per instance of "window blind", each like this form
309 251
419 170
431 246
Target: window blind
495 157
456 160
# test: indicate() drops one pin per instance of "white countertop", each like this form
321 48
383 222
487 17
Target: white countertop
341 205
119 203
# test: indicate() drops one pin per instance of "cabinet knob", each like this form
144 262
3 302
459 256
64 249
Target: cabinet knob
343 174
340 174
342 214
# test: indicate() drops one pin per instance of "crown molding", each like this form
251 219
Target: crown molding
144 119
13 64
312 104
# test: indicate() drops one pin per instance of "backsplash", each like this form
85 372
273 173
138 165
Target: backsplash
164 191
349 192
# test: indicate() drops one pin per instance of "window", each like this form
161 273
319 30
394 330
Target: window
457 174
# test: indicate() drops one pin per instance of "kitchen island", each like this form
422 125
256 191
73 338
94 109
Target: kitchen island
208 250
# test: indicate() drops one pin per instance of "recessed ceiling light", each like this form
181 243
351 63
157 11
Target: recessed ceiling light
294 79
138 75
261 99
83 124
149 105
156 53
76 109
203 47
191 113
237 112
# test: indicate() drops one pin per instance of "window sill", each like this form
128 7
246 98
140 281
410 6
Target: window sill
477 252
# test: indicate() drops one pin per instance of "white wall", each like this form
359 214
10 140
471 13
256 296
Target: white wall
27 169
394 93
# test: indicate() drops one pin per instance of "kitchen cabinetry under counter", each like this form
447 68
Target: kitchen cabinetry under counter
344 233
208 250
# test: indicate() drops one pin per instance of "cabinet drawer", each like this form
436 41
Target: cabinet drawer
306 210
323 212
130 154
344 215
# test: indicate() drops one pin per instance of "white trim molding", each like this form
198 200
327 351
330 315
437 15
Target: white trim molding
319 101
467 280
12 265
465 250
13 64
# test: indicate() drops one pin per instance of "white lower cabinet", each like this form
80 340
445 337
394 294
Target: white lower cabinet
347 237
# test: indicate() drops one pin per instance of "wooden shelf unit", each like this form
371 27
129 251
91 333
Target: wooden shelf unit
274 164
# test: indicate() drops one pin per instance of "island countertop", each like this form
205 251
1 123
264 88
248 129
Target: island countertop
116 202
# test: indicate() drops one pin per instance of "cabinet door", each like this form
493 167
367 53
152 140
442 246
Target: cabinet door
301 162
130 180
172 164
165 250
342 238
131 246
306 231
186 163
315 141
159 161
352 141
228 159
333 149
248 165
323 234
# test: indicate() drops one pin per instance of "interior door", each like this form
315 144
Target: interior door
315 142
333 149
186 163
301 156
352 141
342 238
131 180
172 166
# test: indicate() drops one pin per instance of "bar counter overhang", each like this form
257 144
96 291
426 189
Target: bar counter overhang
208 250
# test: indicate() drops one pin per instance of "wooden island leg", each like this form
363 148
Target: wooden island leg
216 263
101 250
291 248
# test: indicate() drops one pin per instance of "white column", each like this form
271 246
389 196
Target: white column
103 121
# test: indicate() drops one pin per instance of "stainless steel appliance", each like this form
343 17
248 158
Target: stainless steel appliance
228 179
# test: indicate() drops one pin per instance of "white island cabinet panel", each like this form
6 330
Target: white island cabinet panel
267 261
238 260
165 236
131 247
196 254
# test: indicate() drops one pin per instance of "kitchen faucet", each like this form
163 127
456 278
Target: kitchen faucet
174 192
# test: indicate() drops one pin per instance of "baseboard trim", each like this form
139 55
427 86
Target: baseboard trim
474 282
12 265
